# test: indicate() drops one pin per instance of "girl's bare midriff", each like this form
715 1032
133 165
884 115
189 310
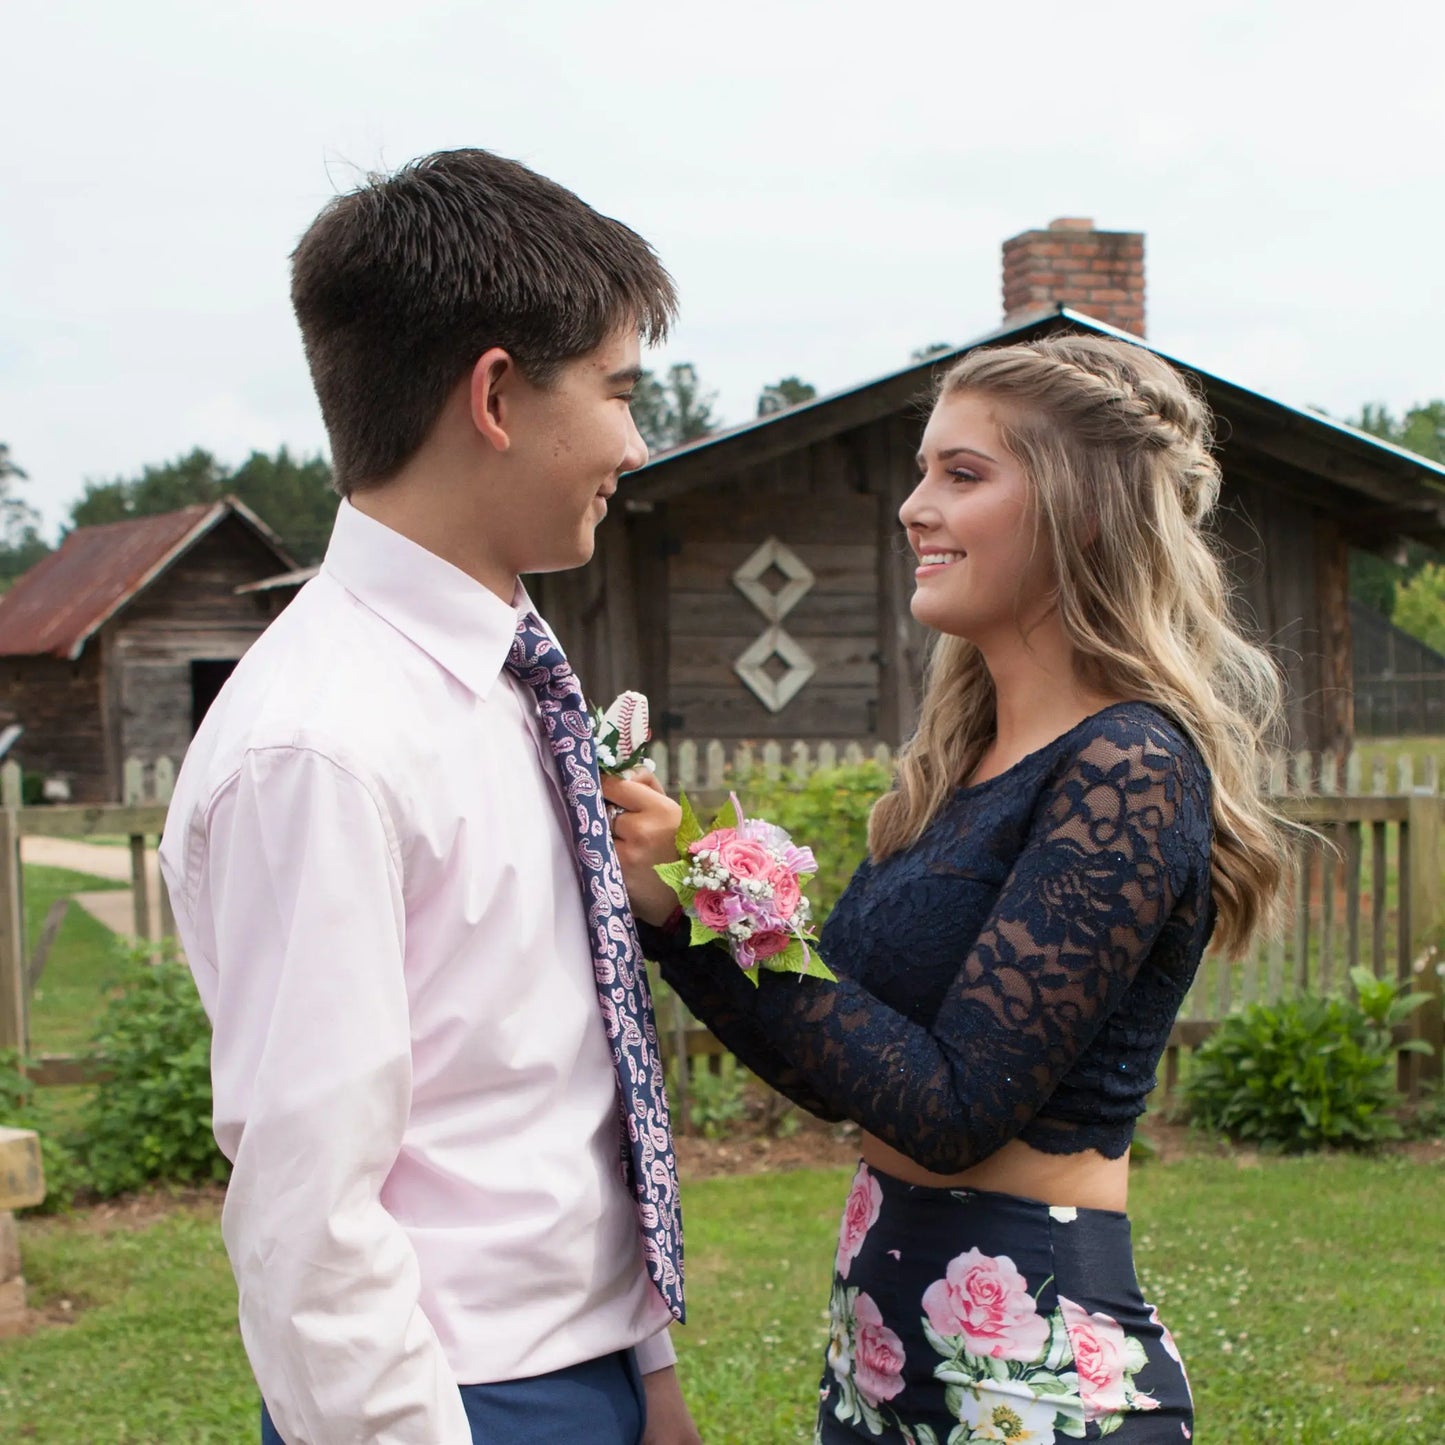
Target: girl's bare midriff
1085 1181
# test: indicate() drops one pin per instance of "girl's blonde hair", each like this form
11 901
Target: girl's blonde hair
1116 446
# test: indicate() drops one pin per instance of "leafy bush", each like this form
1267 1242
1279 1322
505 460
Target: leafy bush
1305 1072
1426 1119
828 812
151 1120
21 1108
716 1102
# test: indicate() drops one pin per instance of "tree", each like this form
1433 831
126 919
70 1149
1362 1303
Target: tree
293 497
1376 581
674 410
1420 606
1421 429
790 391
21 545
188 481
927 353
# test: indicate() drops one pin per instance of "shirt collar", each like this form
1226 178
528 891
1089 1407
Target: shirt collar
461 625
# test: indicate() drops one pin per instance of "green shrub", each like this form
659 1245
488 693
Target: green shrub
150 1122
1426 1117
828 812
1305 1072
22 1108
716 1102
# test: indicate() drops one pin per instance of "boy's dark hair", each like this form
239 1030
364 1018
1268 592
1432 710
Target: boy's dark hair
401 285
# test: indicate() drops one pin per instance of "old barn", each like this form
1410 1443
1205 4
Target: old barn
755 583
115 644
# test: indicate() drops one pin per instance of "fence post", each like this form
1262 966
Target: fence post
14 996
140 886
1425 929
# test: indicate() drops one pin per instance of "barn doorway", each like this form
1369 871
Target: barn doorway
208 676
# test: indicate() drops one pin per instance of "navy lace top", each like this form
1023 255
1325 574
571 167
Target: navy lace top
1014 974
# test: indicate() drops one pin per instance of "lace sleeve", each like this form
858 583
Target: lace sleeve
1113 848
706 991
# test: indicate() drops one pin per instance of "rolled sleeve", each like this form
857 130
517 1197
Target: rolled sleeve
311 1065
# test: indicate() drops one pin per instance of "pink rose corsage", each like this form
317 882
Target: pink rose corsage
741 881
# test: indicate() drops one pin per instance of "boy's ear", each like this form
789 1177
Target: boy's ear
494 379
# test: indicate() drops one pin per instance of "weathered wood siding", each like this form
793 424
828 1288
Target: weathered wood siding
813 502
58 703
1290 569
190 613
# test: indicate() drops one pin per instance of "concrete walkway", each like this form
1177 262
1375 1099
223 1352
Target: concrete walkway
115 907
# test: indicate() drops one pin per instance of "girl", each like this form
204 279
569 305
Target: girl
1077 815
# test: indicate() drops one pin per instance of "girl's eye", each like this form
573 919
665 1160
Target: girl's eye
964 475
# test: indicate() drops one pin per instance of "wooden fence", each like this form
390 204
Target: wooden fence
1370 893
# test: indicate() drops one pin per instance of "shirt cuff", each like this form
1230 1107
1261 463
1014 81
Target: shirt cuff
656 1353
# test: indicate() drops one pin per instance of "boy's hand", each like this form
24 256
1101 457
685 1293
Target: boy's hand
645 834
668 1422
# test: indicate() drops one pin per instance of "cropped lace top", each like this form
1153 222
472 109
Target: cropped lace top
1013 974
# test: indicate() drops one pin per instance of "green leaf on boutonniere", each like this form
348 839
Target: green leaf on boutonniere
701 933
689 830
673 874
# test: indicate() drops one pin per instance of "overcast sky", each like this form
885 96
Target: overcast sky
828 182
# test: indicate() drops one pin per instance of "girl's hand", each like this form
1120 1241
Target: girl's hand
645 834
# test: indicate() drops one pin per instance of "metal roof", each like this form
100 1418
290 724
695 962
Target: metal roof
62 601
1385 490
295 578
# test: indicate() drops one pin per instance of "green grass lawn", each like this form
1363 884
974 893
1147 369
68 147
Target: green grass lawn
1308 1296
85 960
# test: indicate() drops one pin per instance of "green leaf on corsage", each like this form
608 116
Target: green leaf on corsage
689 830
727 817
673 875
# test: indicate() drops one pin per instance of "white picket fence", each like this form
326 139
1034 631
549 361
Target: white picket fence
1373 893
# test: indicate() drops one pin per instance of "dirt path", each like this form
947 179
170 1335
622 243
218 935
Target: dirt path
114 908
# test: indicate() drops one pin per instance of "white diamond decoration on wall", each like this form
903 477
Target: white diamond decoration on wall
774 605
775 693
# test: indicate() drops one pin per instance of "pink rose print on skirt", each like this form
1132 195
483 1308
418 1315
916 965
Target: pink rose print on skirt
986 1300
1101 1357
860 1214
1166 1339
877 1354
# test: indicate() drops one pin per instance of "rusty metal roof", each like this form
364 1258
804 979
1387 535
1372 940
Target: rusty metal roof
55 607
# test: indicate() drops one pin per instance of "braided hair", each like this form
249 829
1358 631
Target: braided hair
1117 447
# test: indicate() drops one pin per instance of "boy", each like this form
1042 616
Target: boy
445 1222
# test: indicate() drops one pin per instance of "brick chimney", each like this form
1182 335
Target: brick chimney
1100 273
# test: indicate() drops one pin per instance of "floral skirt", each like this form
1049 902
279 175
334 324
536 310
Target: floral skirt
960 1315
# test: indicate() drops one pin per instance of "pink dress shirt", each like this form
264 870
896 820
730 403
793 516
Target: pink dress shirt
374 885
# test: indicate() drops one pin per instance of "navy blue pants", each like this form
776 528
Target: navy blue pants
601 1402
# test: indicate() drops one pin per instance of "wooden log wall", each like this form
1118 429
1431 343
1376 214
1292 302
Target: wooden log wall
1289 565
814 502
191 613
58 703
